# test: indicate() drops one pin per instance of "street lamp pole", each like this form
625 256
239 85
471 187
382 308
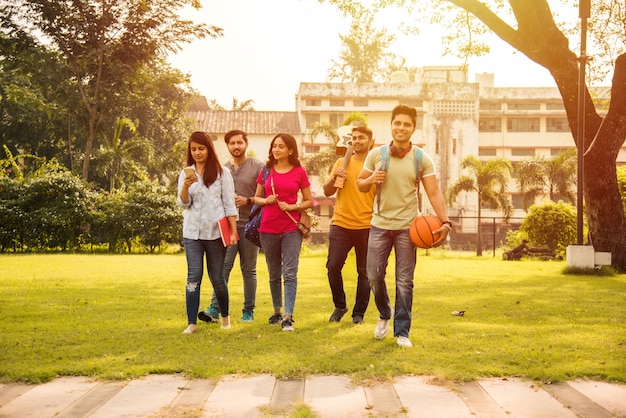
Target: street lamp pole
584 12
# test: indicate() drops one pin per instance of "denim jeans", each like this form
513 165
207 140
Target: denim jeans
380 243
215 252
248 253
282 254
340 242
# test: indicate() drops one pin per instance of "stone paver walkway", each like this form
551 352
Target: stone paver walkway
326 396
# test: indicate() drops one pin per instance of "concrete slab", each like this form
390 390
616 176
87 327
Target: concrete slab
335 396
287 393
240 397
524 399
383 400
48 399
12 391
190 399
611 397
142 397
92 400
421 399
581 405
479 402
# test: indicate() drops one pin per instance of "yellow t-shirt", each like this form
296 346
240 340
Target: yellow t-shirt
353 209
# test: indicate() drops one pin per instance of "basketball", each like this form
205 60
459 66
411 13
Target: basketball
421 230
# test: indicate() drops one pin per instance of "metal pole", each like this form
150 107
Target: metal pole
584 11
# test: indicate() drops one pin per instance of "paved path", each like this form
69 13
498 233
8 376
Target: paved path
326 396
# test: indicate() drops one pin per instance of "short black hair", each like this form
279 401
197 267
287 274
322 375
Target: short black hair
405 110
234 132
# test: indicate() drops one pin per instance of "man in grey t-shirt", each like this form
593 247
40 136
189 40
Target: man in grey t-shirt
245 171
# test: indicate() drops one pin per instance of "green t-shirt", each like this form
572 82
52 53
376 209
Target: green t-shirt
398 198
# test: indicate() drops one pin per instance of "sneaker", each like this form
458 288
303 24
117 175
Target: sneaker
209 315
247 316
276 318
338 313
382 328
404 342
357 319
287 324
225 325
189 330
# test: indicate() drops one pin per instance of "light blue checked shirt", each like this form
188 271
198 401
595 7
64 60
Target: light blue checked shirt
207 205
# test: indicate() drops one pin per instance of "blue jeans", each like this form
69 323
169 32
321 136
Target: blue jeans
248 253
380 243
282 254
340 242
215 252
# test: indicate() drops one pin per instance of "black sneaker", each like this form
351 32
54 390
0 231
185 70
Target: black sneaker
276 318
357 319
287 324
338 313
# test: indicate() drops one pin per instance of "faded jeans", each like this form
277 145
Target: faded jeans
248 253
380 243
282 254
340 242
195 251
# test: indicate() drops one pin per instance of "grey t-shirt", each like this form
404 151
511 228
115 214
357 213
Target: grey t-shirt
245 184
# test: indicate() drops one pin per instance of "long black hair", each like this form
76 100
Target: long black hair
292 146
212 167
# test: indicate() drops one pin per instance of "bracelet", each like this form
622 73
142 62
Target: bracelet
447 224
249 200
298 205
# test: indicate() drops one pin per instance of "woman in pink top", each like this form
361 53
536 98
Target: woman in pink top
280 238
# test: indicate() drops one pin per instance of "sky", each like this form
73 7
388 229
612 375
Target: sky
270 46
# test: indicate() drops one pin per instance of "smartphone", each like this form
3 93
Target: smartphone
189 171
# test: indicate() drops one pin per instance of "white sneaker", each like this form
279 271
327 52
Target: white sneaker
404 342
382 328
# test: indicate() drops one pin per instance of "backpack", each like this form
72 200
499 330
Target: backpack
417 159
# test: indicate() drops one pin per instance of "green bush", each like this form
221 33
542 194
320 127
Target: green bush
551 225
11 215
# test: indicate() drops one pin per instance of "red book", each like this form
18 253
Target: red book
225 231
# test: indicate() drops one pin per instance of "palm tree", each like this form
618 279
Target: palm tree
556 175
247 105
121 158
489 179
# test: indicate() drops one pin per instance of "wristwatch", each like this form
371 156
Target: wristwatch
249 200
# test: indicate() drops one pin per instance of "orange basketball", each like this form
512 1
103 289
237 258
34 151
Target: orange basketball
421 230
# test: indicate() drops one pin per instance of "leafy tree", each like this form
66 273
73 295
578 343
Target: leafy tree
104 43
489 180
365 55
551 225
120 157
530 27
12 219
556 175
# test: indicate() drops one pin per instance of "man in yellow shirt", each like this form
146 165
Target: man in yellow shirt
350 227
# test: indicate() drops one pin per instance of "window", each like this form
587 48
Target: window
489 125
516 200
413 102
522 152
490 106
311 149
335 119
337 102
557 125
522 125
487 152
311 118
523 106
557 151
419 122
360 102
313 102
555 106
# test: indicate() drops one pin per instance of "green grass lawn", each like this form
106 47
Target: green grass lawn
121 316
